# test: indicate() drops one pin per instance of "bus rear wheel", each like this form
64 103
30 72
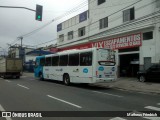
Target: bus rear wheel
66 79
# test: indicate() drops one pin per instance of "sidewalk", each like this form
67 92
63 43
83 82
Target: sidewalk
133 84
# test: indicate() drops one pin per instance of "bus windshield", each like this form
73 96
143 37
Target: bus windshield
106 57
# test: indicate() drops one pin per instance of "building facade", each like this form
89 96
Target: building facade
130 27
17 51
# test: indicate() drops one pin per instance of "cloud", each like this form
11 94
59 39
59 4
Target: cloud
17 22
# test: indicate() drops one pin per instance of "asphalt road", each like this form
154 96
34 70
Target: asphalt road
29 94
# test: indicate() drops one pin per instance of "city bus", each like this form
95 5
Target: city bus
92 65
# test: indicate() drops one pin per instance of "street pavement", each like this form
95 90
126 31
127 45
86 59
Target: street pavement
30 94
125 83
133 84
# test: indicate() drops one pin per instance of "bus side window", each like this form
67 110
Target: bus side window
55 61
42 62
63 60
86 59
74 59
48 61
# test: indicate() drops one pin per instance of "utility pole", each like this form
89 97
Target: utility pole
21 41
21 50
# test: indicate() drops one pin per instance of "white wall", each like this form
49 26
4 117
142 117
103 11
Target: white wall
113 10
144 21
72 25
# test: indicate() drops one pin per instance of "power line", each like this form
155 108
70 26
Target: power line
69 12
111 14
95 22
98 26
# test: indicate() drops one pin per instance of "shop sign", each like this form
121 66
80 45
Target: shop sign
83 46
128 41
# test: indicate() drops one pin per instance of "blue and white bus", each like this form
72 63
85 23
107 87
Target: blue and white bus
90 65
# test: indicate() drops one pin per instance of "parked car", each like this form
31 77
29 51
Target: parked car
151 74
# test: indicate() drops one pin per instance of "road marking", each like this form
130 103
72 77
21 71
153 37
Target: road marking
64 101
152 118
7 80
23 86
2 110
118 118
107 94
152 108
158 103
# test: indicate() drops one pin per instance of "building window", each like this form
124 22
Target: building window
59 27
157 3
83 16
70 35
81 31
128 15
61 38
148 35
103 23
101 1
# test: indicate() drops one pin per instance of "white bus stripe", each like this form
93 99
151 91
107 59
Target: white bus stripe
152 108
117 118
23 86
2 110
107 94
64 101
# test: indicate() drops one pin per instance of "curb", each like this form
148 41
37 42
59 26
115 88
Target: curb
132 90
137 90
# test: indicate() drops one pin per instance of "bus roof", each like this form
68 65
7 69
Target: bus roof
74 51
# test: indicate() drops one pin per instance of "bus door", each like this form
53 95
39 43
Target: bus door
39 63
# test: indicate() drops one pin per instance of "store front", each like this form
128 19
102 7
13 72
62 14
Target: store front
127 51
129 65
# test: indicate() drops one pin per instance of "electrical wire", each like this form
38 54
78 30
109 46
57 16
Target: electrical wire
65 14
98 27
53 20
92 23
98 20
69 12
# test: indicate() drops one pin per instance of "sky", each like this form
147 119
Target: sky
18 22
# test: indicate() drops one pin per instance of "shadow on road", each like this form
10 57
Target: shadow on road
80 85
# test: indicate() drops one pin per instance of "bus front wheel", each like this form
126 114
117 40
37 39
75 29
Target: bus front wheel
41 76
66 79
